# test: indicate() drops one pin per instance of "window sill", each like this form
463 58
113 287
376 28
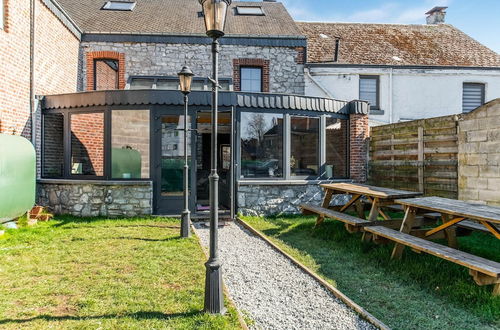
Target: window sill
377 112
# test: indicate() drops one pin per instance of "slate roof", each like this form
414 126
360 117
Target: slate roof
177 17
396 44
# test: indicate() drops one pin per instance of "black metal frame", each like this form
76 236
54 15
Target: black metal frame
377 78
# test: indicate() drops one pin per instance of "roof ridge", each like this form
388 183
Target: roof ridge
370 23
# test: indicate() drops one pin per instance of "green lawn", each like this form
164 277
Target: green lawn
418 292
98 273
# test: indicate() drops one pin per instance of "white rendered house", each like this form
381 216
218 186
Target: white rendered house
406 72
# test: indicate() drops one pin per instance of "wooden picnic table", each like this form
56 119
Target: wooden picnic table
378 196
452 213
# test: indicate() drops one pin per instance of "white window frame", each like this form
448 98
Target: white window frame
108 5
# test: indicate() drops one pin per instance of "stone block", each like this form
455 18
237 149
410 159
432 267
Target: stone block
494 184
469 125
489 171
489 195
477 136
469 194
476 159
469 170
494 159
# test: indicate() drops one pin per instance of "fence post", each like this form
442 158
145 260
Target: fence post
421 159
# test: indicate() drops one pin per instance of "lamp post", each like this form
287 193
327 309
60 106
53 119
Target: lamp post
185 79
215 19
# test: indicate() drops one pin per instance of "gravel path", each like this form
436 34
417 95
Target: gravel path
273 291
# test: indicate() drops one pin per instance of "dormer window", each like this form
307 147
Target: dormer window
119 5
249 11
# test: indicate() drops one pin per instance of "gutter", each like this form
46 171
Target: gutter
32 71
388 66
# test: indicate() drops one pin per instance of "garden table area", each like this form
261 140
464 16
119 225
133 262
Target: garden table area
414 231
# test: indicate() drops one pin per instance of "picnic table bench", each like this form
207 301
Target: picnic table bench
452 212
378 197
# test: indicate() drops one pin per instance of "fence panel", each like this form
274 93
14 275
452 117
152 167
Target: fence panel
420 155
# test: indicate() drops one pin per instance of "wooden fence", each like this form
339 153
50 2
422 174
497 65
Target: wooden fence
419 155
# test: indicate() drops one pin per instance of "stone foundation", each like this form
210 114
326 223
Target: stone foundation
86 198
263 200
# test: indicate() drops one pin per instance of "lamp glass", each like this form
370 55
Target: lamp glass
185 80
215 16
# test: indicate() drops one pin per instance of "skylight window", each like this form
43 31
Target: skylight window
249 11
119 5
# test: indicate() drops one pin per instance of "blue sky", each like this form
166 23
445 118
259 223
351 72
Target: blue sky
478 18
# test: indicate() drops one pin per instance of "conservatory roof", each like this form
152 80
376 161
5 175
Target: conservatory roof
201 98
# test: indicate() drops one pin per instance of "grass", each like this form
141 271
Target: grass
418 292
98 273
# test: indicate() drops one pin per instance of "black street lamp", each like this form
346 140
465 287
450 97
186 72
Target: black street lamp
215 12
185 79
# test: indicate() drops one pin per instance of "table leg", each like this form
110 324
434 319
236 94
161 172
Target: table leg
406 226
374 212
326 203
450 232
360 209
492 228
496 290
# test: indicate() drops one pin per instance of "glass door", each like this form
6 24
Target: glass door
170 163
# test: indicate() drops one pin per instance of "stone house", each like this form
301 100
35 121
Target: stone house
406 72
113 146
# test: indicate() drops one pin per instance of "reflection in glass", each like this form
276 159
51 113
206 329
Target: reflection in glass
172 155
141 83
251 80
336 148
304 156
261 145
53 147
130 144
87 144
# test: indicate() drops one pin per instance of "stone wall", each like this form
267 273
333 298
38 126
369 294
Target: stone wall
151 59
479 155
96 198
262 200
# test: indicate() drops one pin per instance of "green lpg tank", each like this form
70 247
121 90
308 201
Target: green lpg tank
17 176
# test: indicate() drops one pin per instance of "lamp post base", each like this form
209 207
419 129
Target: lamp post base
186 223
214 299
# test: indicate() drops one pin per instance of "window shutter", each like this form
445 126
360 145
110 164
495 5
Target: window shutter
473 97
368 90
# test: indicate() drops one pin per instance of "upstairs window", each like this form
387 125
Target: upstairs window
119 5
172 83
105 74
251 79
369 90
249 11
472 96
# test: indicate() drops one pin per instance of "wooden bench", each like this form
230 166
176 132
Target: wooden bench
352 224
484 271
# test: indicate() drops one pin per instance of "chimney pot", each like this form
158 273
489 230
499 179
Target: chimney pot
436 15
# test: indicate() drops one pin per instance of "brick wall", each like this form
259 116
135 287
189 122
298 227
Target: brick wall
479 155
56 63
87 142
359 132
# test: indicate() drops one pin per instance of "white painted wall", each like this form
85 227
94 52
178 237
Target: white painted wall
416 93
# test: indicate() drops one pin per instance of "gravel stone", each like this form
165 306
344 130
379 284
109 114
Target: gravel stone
274 292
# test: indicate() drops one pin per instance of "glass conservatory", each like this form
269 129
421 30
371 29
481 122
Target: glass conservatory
136 137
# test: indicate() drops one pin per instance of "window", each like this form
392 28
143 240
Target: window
119 5
261 145
304 153
251 79
130 144
336 148
472 96
172 83
369 90
105 74
53 146
87 144
249 11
